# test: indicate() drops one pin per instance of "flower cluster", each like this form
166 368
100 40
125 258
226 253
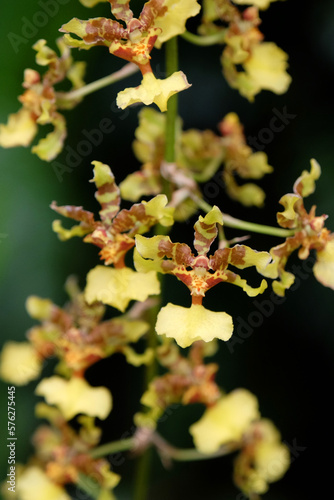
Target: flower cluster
136 252
40 103
199 273
309 233
263 63
235 420
199 155
134 40
114 234
230 421
63 457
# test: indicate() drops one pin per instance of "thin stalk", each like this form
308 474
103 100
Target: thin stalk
143 469
164 447
191 454
171 67
127 70
142 477
205 40
152 342
170 452
113 447
230 221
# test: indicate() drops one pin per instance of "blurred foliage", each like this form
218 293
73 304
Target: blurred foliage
287 361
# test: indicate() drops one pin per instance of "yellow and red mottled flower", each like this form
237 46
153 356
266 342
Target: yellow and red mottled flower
263 64
115 231
239 159
63 457
77 335
199 273
188 380
226 421
114 234
40 104
309 234
263 458
158 21
198 156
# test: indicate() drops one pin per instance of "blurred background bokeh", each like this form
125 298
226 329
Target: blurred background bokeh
287 361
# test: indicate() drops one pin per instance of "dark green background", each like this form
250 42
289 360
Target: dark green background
288 360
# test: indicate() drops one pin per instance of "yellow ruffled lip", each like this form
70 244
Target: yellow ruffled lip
75 396
187 325
153 90
19 363
226 421
117 287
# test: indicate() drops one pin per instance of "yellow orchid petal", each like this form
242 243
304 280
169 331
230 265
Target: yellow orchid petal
133 330
75 396
19 363
136 359
186 325
286 280
156 207
19 131
137 185
44 55
249 194
257 165
50 146
117 287
173 21
153 90
109 478
324 267
39 308
34 479
269 458
305 184
226 421
289 217
267 67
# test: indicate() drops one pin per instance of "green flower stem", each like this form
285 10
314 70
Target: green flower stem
168 451
165 449
171 67
142 477
230 221
113 447
152 342
89 486
127 70
142 474
205 40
